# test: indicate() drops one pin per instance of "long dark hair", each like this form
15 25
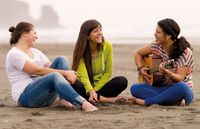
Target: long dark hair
170 27
82 48
18 30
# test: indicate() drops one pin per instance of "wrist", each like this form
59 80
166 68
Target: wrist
91 91
139 68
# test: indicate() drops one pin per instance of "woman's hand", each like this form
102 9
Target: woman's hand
70 75
93 96
162 68
146 76
165 71
143 72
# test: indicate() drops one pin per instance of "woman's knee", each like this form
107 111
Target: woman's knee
122 81
133 88
62 59
186 91
61 62
136 88
78 86
55 76
183 87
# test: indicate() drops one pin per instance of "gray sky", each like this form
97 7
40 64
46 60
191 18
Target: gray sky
138 14
123 18
133 10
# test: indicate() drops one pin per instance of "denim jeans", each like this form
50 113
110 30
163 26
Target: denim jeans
44 90
171 94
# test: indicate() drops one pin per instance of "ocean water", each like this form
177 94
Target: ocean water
115 36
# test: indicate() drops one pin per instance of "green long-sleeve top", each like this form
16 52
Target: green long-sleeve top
101 67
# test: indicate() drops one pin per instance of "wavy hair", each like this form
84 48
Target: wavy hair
170 27
82 48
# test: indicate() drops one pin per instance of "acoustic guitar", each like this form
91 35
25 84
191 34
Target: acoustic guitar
152 62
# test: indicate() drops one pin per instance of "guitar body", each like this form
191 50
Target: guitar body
153 63
148 62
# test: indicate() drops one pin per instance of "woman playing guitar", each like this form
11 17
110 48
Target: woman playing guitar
176 85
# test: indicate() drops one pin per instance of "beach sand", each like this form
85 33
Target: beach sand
109 116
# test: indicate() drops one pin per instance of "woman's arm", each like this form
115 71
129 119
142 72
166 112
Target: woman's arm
37 70
138 56
139 61
179 75
185 65
83 76
48 64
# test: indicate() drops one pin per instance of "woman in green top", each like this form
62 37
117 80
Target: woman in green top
92 59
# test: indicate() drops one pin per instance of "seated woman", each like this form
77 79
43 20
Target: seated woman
176 82
93 60
35 81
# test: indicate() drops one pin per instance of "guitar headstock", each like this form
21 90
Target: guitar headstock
170 64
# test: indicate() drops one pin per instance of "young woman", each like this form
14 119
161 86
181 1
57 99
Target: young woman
35 81
177 80
92 59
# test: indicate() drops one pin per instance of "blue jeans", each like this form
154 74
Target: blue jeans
171 94
43 91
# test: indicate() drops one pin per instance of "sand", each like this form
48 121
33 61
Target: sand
109 116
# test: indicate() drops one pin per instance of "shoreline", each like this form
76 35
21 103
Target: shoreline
113 40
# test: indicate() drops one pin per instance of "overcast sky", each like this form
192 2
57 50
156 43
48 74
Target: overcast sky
124 17
129 9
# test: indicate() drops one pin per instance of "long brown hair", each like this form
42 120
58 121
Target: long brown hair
18 30
170 27
82 48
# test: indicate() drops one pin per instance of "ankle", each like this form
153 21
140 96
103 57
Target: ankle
88 107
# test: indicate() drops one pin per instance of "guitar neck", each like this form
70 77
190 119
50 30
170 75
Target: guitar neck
155 69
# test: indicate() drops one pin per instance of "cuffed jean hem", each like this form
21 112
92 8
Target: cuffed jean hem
78 102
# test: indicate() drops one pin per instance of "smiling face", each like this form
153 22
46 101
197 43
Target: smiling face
31 37
160 36
96 35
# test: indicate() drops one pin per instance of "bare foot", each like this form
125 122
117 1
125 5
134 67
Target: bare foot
66 104
139 101
112 99
134 100
88 107
182 103
118 99
131 100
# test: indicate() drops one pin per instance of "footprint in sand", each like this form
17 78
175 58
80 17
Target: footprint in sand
2 105
29 120
37 114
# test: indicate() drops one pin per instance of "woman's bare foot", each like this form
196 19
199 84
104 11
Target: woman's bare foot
88 107
112 99
118 99
134 100
66 104
182 103
131 100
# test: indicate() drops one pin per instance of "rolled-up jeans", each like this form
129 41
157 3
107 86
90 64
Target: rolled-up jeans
43 90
